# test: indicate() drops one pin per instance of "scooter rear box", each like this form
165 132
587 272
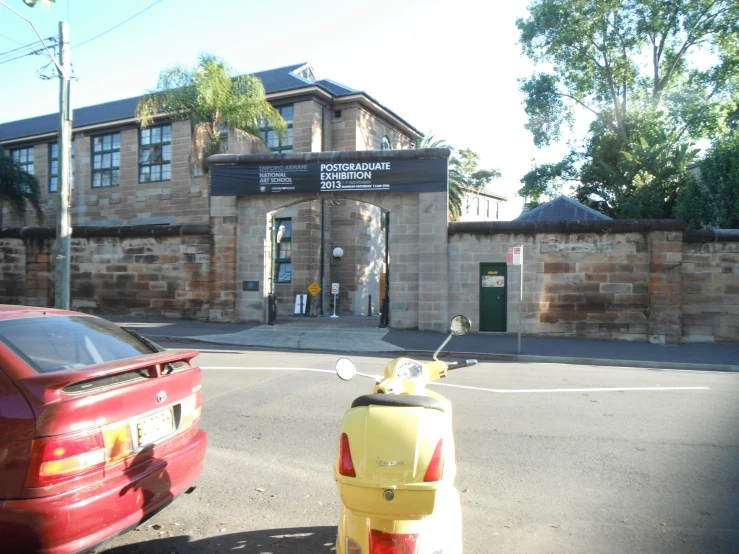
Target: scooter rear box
391 449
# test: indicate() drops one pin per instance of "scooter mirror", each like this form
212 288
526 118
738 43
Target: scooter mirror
345 369
460 325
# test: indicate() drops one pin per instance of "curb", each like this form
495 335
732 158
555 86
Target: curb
523 358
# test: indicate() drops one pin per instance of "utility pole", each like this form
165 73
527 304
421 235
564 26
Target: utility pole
64 224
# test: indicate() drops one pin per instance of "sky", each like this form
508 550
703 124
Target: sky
450 69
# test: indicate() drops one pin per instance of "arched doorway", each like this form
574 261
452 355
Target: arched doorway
302 237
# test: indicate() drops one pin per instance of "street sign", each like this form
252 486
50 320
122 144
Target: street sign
314 288
514 255
334 288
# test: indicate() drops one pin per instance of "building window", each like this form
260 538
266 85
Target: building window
54 167
283 255
155 154
385 144
487 208
272 138
23 158
106 160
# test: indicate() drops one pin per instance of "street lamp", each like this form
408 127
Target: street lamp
337 253
272 297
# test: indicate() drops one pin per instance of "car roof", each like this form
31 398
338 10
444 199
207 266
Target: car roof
9 311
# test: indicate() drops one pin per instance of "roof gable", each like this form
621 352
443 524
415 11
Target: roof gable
562 208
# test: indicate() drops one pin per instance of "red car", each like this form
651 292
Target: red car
98 429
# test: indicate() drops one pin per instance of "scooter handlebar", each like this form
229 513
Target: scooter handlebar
458 365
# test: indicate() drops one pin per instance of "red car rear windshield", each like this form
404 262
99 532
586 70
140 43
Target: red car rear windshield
55 343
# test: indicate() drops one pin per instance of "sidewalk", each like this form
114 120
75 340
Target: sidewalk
361 335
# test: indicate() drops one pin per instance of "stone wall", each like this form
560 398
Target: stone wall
633 280
144 271
710 288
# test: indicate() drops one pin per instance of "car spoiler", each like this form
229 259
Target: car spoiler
47 387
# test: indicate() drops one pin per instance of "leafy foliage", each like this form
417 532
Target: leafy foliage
45 3
631 65
713 200
17 187
464 173
213 99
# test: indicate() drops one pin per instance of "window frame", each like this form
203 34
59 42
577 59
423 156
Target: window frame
286 138
102 152
55 174
279 259
27 166
166 161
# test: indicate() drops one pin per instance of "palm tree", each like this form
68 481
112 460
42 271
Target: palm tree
463 173
215 101
17 187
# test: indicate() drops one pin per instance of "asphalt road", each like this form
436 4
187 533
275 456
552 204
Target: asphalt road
543 466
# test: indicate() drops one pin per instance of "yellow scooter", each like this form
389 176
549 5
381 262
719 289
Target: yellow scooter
395 467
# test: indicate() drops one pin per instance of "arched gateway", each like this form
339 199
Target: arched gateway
321 193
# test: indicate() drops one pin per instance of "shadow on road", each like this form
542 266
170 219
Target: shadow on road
306 540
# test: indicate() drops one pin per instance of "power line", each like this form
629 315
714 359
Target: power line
116 26
23 47
11 39
36 52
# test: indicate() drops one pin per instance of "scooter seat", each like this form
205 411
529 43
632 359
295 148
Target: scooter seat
400 400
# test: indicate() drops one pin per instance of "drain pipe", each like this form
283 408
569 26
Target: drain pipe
322 254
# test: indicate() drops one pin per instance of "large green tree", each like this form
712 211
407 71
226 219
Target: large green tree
464 173
654 76
712 200
215 100
17 188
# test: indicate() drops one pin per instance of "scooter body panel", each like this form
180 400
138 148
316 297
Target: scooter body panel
440 531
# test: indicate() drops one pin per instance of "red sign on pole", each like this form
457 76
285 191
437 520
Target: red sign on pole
514 255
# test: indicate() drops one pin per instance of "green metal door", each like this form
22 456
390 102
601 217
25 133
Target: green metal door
493 297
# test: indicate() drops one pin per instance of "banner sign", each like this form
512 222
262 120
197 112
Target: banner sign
420 175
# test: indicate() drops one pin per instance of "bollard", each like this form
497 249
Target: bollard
369 305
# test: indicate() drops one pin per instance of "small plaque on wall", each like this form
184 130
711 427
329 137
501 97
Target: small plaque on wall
250 286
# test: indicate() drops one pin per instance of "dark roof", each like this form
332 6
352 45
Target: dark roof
275 80
562 209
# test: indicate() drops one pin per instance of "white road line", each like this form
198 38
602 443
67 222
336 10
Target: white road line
498 391
594 389
272 368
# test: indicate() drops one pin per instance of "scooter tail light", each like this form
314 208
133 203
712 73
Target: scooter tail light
346 465
392 543
435 470
59 459
352 547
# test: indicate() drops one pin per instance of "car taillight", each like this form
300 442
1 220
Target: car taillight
392 543
59 459
190 411
346 465
118 442
435 470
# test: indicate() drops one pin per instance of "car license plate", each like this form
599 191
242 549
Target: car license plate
155 427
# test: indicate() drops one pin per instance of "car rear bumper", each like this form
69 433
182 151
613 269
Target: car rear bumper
75 521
